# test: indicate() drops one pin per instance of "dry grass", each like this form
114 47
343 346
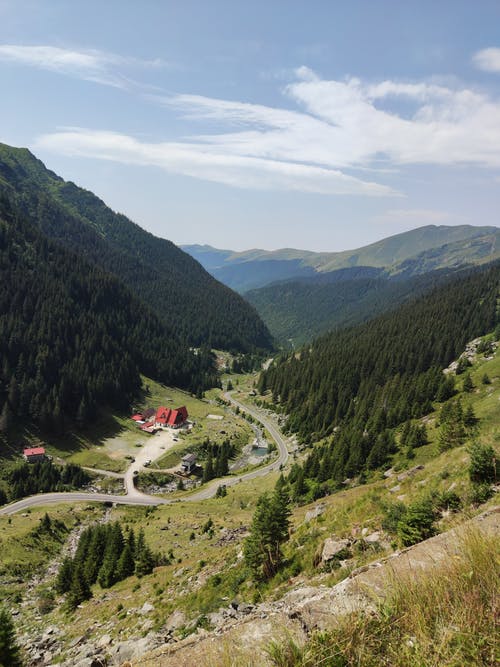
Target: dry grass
445 618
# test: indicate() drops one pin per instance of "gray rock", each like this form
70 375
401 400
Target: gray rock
335 548
373 537
146 608
314 513
105 640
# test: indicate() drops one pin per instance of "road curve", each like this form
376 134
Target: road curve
138 498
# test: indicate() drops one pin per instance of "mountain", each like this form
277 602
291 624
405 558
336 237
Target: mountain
73 338
200 309
366 379
297 311
430 247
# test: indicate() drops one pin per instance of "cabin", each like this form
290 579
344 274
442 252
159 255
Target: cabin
167 418
34 454
188 463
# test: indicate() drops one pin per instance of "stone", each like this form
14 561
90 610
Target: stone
334 548
389 473
105 640
176 620
396 488
373 537
146 608
314 513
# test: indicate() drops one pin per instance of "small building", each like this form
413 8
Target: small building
34 454
149 427
188 463
138 418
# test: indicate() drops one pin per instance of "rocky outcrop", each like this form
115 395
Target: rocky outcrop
241 638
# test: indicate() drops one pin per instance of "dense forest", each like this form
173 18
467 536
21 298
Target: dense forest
300 310
355 386
201 310
73 338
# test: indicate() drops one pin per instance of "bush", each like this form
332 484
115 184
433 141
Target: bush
417 523
483 464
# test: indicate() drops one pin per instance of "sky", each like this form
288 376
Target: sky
324 125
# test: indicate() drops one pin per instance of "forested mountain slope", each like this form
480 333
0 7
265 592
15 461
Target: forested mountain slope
182 293
298 311
72 337
366 380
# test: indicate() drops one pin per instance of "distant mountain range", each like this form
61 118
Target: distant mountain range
414 252
302 294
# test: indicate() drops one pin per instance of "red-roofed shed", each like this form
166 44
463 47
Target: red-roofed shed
34 454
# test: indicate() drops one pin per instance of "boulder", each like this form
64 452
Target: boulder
335 548
146 608
314 513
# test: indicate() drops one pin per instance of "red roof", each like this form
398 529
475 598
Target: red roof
178 416
34 451
162 414
147 425
137 418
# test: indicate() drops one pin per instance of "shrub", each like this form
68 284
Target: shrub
417 523
483 463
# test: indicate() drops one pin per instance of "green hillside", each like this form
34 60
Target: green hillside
181 292
73 338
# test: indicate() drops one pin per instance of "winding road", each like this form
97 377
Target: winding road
134 497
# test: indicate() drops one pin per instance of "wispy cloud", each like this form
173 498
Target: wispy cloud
488 59
97 66
201 161
327 136
351 124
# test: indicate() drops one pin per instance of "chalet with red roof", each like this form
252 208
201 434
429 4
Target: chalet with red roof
167 418
34 454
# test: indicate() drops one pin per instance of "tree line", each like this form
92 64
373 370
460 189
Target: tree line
26 479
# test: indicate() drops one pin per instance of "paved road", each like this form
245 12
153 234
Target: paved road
135 497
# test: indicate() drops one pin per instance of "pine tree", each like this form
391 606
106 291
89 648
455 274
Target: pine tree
80 590
468 385
10 655
144 561
269 530
125 567
208 470
64 576
486 379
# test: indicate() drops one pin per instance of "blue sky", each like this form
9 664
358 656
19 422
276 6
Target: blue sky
323 125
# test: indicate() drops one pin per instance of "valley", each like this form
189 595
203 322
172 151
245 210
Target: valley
208 494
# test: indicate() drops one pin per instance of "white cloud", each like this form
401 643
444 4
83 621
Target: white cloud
327 135
341 124
488 59
97 66
201 161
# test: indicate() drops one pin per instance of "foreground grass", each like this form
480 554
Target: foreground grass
445 618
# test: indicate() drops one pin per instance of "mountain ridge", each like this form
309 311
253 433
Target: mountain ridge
250 269
204 311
